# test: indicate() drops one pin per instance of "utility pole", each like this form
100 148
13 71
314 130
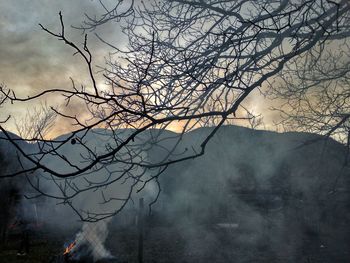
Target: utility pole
140 222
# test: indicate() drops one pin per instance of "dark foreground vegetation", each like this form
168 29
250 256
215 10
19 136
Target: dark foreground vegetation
171 244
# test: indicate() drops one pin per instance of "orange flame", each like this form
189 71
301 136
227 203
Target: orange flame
69 248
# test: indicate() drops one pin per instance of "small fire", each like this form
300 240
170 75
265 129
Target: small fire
69 248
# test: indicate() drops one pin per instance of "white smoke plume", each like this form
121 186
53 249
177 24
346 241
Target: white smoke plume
89 242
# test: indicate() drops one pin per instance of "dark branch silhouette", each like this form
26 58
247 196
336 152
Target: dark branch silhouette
186 62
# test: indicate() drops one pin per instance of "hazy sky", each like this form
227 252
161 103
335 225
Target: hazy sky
32 61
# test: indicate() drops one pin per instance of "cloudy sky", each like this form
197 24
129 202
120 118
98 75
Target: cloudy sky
32 61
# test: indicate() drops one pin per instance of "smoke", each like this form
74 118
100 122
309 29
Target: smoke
90 241
276 194
273 187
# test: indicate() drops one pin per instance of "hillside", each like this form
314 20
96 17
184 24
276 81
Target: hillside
255 196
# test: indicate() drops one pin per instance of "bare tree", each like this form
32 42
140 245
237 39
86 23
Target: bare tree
314 90
3 98
247 118
37 122
186 61
254 121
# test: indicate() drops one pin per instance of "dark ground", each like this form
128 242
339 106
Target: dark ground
165 244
